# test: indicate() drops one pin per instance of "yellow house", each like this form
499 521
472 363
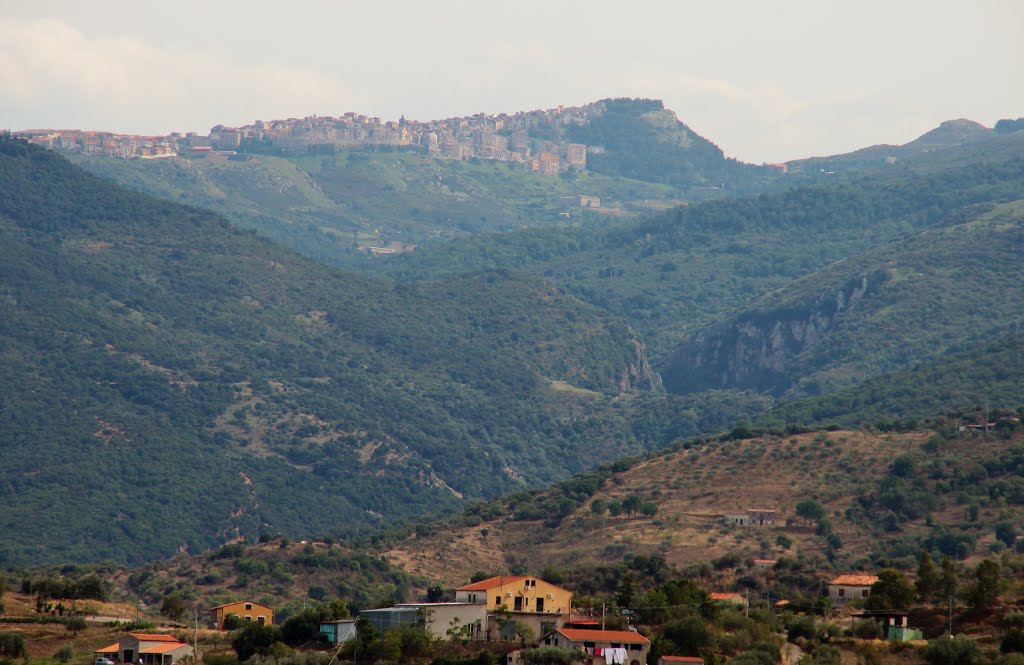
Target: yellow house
516 593
245 610
539 604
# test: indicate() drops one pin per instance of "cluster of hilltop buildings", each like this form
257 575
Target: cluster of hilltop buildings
502 137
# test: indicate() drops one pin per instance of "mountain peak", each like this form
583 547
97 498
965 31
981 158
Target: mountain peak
952 133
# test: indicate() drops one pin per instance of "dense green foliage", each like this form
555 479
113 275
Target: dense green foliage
326 205
179 381
644 141
90 586
674 274
912 299
979 374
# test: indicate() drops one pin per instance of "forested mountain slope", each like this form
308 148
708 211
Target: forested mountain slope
673 274
978 376
948 140
934 291
173 383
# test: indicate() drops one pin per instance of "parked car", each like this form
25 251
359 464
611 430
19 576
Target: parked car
102 661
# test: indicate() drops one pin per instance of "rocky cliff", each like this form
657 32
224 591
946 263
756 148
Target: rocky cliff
758 350
638 374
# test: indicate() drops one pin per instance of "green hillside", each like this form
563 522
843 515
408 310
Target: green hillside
952 142
982 375
175 383
674 274
919 297
643 140
326 206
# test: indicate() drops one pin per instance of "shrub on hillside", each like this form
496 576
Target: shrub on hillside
867 629
952 651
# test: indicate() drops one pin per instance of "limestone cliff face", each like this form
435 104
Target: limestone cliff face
638 374
759 350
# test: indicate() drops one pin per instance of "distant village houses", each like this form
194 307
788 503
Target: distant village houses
500 137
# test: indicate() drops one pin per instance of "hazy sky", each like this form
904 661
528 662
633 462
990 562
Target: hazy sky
767 80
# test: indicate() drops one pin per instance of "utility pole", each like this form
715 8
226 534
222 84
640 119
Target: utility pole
746 605
602 615
195 644
951 617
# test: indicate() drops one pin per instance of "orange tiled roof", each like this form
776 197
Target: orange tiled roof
154 637
163 648
619 636
113 648
855 580
492 582
723 595
683 659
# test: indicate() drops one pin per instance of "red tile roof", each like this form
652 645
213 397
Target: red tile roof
113 648
855 580
724 595
492 582
163 648
154 637
618 636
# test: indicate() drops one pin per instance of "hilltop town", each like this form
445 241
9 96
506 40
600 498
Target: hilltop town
514 138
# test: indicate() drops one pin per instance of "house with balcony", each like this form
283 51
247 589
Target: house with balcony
507 599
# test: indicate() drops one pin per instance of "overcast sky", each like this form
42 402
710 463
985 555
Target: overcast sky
765 80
